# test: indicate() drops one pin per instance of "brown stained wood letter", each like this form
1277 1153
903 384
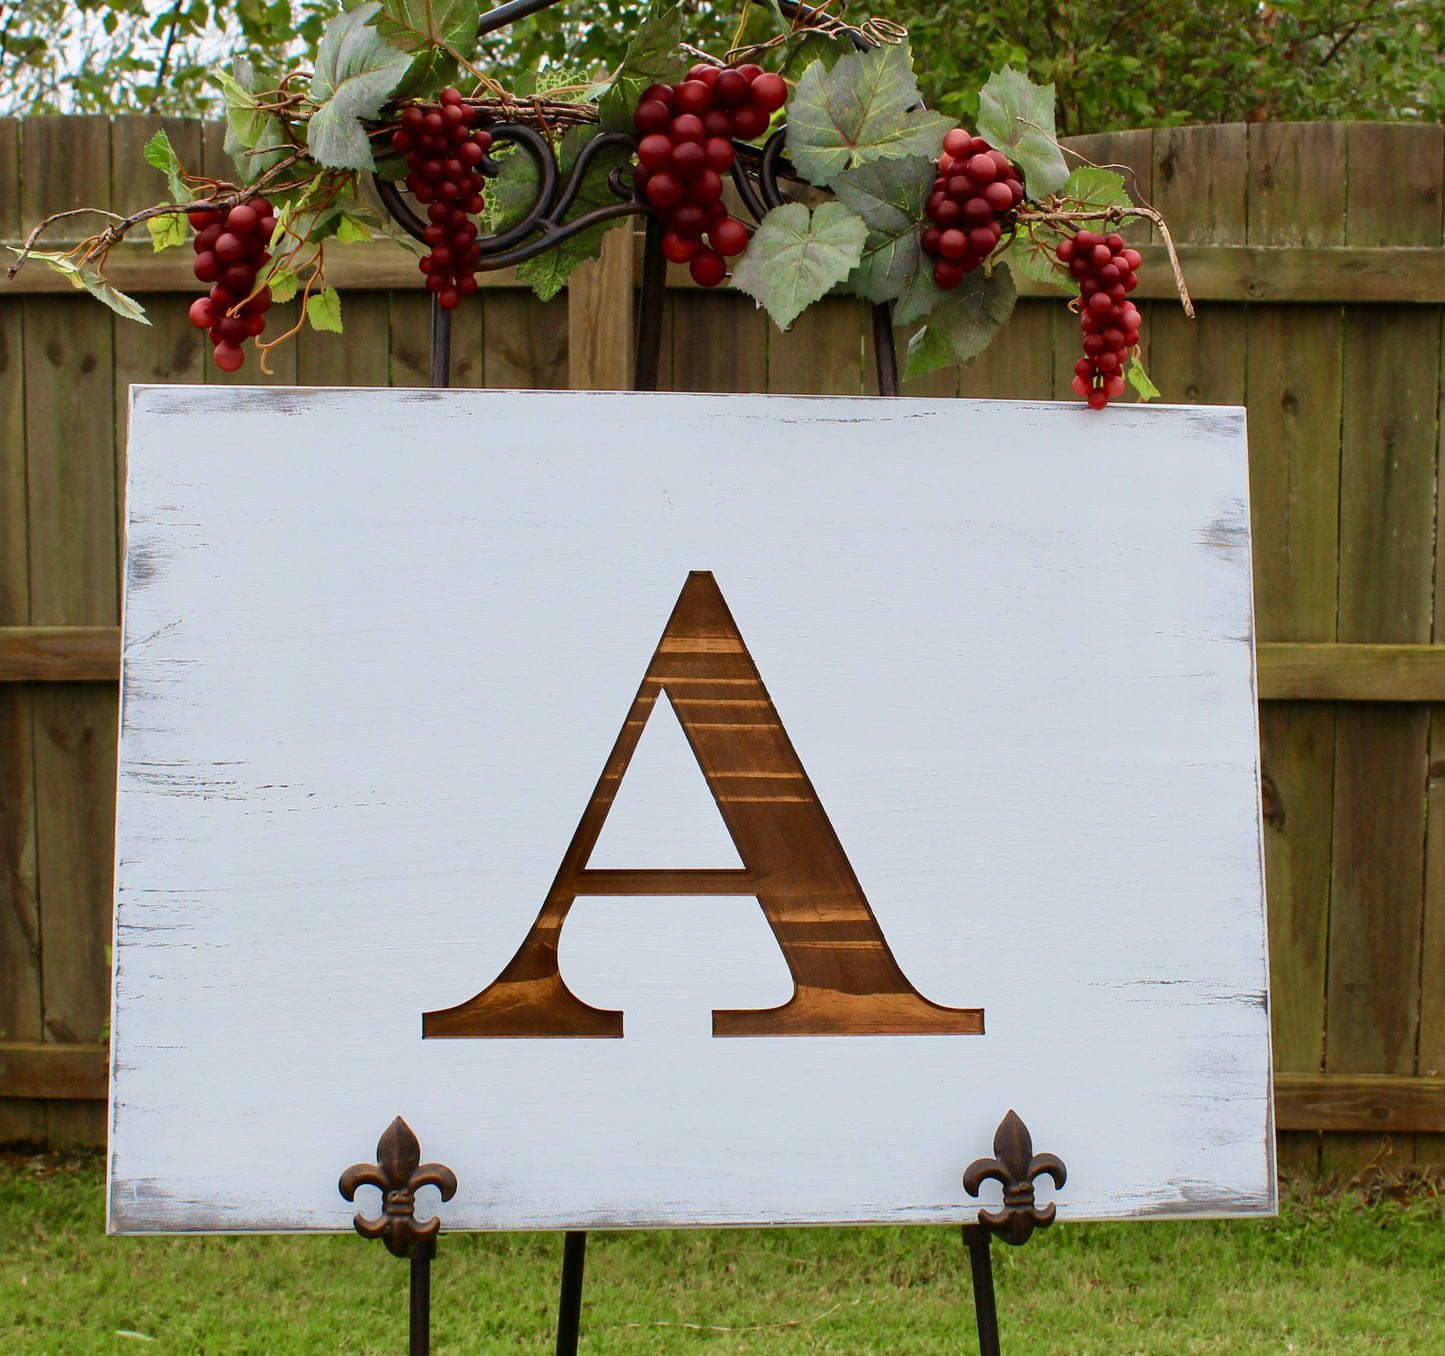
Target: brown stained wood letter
846 982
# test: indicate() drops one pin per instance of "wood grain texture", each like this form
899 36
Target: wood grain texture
356 357
1019 364
719 343
20 1001
71 487
1294 384
1364 1103
10 227
1201 182
66 166
137 184
526 342
50 654
1296 192
599 316
845 979
822 353
1387 488
40 1070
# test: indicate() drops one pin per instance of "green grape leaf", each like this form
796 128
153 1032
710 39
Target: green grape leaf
967 319
547 274
355 71
420 25
1016 116
255 139
512 192
91 281
928 350
431 70
1092 189
794 259
865 108
802 49
1034 257
919 295
158 152
652 59
323 310
350 229
889 195
244 120
166 231
1139 380
283 285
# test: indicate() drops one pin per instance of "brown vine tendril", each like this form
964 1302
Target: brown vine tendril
95 248
317 260
1118 214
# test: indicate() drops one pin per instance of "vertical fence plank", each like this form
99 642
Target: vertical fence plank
525 341
65 164
719 343
410 337
1296 190
71 493
359 356
665 379
20 989
1430 1149
1387 493
1019 364
822 354
1295 376
10 220
170 349
599 317
1200 177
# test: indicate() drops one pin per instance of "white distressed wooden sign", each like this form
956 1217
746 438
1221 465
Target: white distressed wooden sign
684 810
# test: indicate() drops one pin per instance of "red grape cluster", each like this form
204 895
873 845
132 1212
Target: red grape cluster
1107 271
230 252
443 154
686 148
976 186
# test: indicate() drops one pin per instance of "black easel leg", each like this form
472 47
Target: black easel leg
884 352
441 345
649 309
981 1260
421 1300
569 1307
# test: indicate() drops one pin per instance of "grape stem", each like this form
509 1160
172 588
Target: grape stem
96 247
1113 214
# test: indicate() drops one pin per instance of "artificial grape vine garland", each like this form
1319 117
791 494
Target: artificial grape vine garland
852 186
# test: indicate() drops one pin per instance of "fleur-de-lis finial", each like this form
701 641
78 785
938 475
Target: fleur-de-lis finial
1015 1165
400 1174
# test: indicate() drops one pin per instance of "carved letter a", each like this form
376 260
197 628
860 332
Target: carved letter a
846 982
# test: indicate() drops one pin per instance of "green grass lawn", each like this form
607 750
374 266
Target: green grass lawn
1332 1275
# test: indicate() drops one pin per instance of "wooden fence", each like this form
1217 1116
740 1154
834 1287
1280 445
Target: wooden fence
1315 254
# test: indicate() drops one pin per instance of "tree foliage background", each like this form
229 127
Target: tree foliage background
1131 63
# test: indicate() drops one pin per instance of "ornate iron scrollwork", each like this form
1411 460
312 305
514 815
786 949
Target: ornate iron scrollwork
400 1174
1015 1165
